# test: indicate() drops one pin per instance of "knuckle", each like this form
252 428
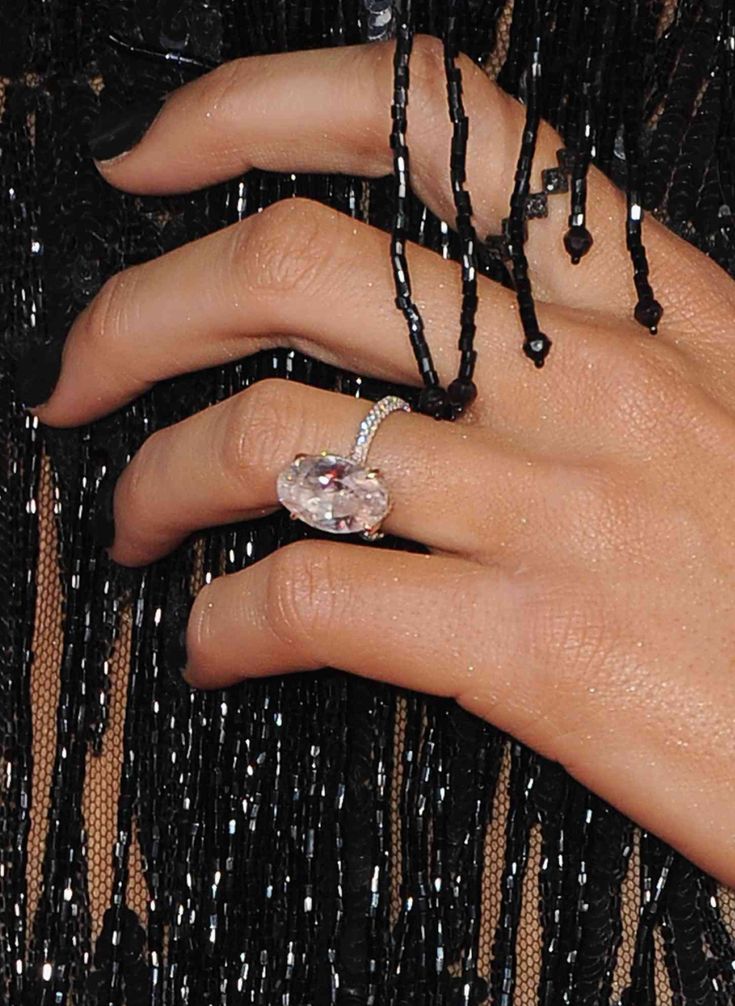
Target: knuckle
575 641
648 398
146 469
587 657
131 485
221 92
600 515
201 630
427 114
427 75
151 456
107 320
564 633
301 593
367 79
427 58
571 630
284 250
259 425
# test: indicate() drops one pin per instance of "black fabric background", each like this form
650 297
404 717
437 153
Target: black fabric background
318 838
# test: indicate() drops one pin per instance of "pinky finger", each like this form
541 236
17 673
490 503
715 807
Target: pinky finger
394 616
448 626
454 628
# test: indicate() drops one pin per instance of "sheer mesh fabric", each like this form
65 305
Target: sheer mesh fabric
316 838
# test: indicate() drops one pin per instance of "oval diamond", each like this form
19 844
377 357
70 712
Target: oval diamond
333 493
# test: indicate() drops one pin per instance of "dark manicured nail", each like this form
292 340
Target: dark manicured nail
119 130
37 373
103 520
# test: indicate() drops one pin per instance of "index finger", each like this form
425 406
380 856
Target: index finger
328 110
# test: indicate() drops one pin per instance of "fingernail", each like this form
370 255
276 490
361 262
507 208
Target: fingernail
117 131
103 520
38 373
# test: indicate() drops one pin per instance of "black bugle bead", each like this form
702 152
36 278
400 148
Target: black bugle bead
434 400
648 311
536 345
578 240
404 300
463 209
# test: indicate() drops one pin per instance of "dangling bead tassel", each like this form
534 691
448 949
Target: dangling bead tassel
433 399
536 345
578 239
462 391
647 311
159 55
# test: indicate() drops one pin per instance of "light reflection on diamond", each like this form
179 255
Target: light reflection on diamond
333 493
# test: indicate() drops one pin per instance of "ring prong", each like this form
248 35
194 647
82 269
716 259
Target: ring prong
373 533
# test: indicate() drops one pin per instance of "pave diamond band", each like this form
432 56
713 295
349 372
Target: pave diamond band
369 426
338 493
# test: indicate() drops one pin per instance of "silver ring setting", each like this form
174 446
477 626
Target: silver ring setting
340 494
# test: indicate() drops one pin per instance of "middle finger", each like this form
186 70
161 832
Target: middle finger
302 275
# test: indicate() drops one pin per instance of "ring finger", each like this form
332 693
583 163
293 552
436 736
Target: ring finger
221 465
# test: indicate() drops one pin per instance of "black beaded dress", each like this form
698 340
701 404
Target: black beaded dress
316 838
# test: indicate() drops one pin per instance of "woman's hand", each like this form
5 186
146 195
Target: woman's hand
580 593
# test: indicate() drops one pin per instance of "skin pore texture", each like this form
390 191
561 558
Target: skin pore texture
580 519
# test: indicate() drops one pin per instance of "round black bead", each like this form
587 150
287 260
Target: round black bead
477 990
433 401
537 348
648 313
577 242
462 391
